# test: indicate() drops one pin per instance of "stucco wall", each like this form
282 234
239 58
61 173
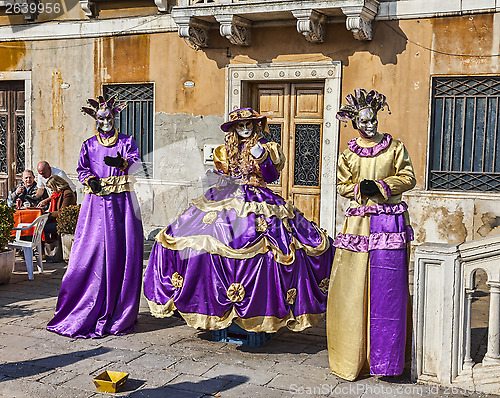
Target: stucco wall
396 62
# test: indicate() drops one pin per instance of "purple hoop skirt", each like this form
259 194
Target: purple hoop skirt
240 253
101 288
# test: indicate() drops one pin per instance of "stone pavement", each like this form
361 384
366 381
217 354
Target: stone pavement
165 357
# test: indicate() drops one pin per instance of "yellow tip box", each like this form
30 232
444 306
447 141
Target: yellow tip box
109 381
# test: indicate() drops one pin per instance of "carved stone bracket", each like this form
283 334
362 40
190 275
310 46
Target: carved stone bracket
162 5
311 24
193 30
359 19
236 29
89 7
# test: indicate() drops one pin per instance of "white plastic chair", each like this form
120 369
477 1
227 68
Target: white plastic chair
36 242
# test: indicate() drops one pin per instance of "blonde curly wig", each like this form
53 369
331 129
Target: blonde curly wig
240 160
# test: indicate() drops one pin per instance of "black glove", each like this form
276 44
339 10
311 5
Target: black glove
368 188
114 161
95 185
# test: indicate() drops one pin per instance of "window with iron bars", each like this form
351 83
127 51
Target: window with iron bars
136 119
464 136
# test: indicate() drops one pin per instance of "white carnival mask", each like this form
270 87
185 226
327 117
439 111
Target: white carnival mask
105 120
367 123
244 129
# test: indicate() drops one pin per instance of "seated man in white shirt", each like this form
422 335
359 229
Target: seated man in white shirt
45 170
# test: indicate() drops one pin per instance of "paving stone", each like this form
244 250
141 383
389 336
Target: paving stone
156 378
302 338
291 384
293 368
58 377
154 361
64 360
165 392
115 355
39 321
195 347
81 382
27 389
259 361
198 384
86 366
125 343
319 360
245 390
14 354
158 338
20 342
194 366
237 373
26 369
57 346
16 330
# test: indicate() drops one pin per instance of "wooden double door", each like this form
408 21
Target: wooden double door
12 134
295 119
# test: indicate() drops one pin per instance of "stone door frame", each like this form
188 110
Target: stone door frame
237 79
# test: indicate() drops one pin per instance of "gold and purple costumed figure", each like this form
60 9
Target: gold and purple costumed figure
368 296
101 288
240 252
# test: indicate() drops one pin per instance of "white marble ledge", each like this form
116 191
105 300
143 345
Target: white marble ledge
409 9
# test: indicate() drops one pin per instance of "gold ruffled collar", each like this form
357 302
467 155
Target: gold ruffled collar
110 141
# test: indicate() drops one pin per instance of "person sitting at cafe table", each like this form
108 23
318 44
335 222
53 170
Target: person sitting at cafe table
45 171
26 191
62 196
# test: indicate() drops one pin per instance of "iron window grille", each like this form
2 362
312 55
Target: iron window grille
464 144
136 119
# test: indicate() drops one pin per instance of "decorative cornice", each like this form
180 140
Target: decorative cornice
193 30
311 24
235 29
89 8
359 19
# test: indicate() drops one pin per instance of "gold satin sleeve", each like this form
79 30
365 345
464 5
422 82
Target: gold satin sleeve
277 156
113 184
404 178
220 159
345 183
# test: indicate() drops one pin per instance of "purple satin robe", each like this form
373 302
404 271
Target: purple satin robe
101 288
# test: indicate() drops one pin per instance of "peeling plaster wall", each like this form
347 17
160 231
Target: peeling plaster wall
58 126
178 165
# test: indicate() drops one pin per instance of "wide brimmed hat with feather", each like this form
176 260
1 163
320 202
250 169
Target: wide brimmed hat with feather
242 115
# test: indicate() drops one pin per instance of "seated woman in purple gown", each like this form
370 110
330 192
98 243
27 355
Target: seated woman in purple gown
241 253
101 289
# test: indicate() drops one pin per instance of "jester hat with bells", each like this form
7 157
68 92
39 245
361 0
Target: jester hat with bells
361 100
101 105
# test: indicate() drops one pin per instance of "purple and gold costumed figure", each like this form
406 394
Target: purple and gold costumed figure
101 288
240 252
368 295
